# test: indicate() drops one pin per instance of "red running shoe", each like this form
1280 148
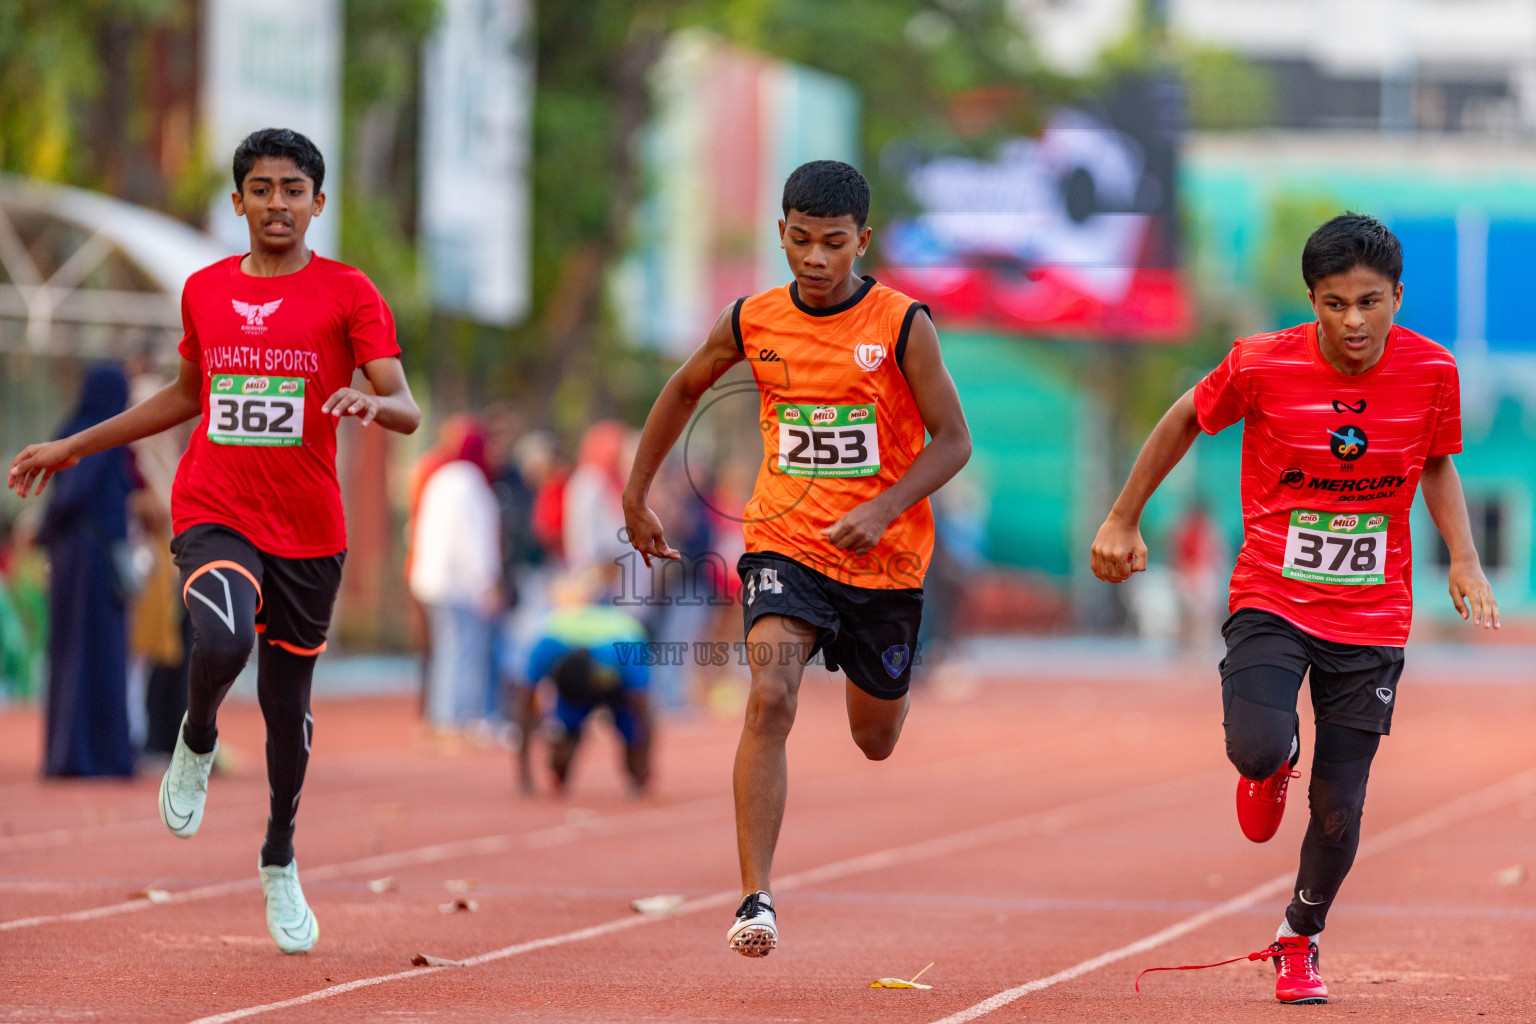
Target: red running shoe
1261 805
1296 976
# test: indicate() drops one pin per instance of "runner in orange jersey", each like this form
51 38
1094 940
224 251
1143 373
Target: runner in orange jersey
838 530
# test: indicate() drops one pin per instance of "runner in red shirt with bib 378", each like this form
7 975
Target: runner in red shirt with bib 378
1344 419
270 343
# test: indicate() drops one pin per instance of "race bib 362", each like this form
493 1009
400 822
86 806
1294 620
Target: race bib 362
256 410
1344 548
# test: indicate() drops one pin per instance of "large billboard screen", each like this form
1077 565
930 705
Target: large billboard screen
1068 234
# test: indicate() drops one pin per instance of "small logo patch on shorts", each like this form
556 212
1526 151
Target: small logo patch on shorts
895 659
1385 694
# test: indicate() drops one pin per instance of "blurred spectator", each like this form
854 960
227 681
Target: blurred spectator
593 515
16 655
24 571
679 611
1199 557
160 631
527 564
85 529
455 573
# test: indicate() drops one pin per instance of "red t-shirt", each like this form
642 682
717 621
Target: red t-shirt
1330 467
272 350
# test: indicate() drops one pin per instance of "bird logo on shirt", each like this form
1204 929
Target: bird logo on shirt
256 313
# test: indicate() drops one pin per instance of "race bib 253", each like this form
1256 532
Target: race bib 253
266 411
828 440
1343 548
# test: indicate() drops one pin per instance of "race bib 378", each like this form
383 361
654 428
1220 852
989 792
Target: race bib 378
256 410
1342 548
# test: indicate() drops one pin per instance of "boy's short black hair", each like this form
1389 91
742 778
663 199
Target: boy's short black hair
828 188
1348 241
279 142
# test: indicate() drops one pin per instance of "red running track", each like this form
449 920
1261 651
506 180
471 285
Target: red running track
1038 842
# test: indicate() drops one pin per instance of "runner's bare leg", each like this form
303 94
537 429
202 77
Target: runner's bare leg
778 648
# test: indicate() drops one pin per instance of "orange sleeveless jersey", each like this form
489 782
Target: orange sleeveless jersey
839 427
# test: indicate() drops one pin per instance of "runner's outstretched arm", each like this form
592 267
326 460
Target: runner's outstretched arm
175 403
1447 505
1118 550
669 416
948 448
391 404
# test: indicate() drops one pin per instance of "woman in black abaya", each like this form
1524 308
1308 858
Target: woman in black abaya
85 529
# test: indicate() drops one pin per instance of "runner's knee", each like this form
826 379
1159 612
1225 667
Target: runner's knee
877 740
771 704
1340 770
1260 721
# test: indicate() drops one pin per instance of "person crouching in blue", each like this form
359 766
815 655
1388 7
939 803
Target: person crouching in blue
593 657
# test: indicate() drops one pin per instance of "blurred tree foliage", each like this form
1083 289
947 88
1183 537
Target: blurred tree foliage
914 62
59 120
1224 90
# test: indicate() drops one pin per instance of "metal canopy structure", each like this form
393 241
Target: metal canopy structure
89 276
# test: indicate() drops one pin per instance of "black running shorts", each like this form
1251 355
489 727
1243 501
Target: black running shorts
1353 685
870 634
294 595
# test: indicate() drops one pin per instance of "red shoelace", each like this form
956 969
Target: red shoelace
1273 950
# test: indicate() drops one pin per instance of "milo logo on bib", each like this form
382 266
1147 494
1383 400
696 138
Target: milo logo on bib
836 440
255 386
224 384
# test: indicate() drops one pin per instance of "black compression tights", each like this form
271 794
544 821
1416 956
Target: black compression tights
222 606
1261 725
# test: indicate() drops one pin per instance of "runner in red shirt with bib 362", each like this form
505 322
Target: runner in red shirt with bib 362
1344 419
270 343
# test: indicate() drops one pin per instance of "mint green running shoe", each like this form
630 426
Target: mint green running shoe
184 788
289 919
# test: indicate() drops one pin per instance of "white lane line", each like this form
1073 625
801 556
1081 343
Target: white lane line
1045 823
1471 805
557 835
325 790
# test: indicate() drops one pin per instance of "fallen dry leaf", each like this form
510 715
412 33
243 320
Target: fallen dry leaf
153 895
898 983
385 884
457 905
424 960
461 884
663 904
1511 876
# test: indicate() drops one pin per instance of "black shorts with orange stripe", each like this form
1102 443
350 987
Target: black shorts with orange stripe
294 596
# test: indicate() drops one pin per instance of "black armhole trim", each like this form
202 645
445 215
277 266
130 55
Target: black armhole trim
741 346
906 330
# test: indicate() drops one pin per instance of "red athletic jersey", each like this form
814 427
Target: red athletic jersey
1330 467
272 350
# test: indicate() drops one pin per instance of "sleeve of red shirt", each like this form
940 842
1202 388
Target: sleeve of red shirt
371 332
1447 439
191 348
1219 402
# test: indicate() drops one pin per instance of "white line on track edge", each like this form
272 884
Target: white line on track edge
1037 823
1472 804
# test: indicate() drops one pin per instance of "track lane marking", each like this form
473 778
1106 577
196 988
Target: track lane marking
1044 823
1480 802
554 835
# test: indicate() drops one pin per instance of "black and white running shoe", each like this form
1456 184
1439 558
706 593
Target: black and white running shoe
756 930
